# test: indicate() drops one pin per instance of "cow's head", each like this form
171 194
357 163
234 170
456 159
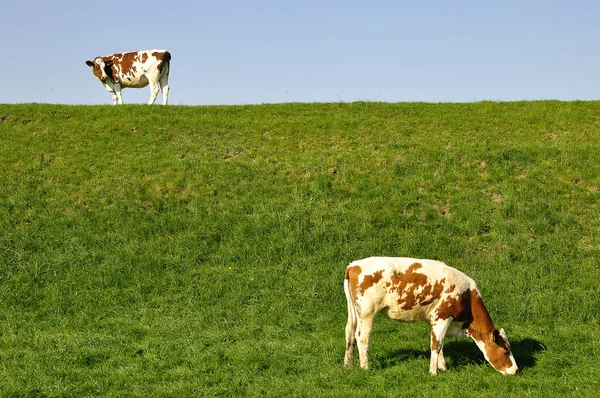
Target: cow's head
100 68
498 354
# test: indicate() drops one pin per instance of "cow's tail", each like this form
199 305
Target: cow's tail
349 299
352 321
165 65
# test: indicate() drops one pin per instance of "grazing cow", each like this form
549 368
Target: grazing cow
134 69
408 289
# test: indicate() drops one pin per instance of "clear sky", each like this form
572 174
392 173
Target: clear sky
271 51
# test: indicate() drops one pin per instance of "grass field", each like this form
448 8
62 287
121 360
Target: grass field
200 251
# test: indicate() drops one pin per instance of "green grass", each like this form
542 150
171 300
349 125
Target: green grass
200 251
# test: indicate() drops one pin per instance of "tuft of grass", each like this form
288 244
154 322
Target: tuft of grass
199 251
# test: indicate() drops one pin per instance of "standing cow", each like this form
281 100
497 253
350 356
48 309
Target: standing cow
134 69
408 289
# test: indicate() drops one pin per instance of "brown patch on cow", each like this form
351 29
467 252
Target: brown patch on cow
126 63
434 291
434 341
414 267
110 66
406 285
458 308
144 58
481 326
450 289
162 57
352 274
370 280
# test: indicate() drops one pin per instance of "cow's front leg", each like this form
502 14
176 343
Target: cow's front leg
115 89
441 360
118 94
438 333
111 89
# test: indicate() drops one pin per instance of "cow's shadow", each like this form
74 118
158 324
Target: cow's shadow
463 352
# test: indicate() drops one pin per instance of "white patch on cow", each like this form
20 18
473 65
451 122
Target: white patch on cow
481 345
456 330
514 369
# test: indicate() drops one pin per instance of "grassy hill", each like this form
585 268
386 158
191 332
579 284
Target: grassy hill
200 251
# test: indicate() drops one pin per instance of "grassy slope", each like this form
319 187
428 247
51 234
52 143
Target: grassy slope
200 250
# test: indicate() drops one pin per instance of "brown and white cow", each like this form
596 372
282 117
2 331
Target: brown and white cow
408 289
134 69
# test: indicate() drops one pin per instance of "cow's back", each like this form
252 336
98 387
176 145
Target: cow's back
404 289
137 69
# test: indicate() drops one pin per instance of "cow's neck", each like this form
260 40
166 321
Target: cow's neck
481 327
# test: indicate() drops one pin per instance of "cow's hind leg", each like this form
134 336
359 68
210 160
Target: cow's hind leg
350 326
349 356
363 336
153 92
164 86
350 330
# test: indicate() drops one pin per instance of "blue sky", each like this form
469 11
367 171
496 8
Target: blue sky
252 52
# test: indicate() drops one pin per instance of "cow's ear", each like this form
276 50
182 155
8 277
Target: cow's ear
89 63
496 336
500 339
